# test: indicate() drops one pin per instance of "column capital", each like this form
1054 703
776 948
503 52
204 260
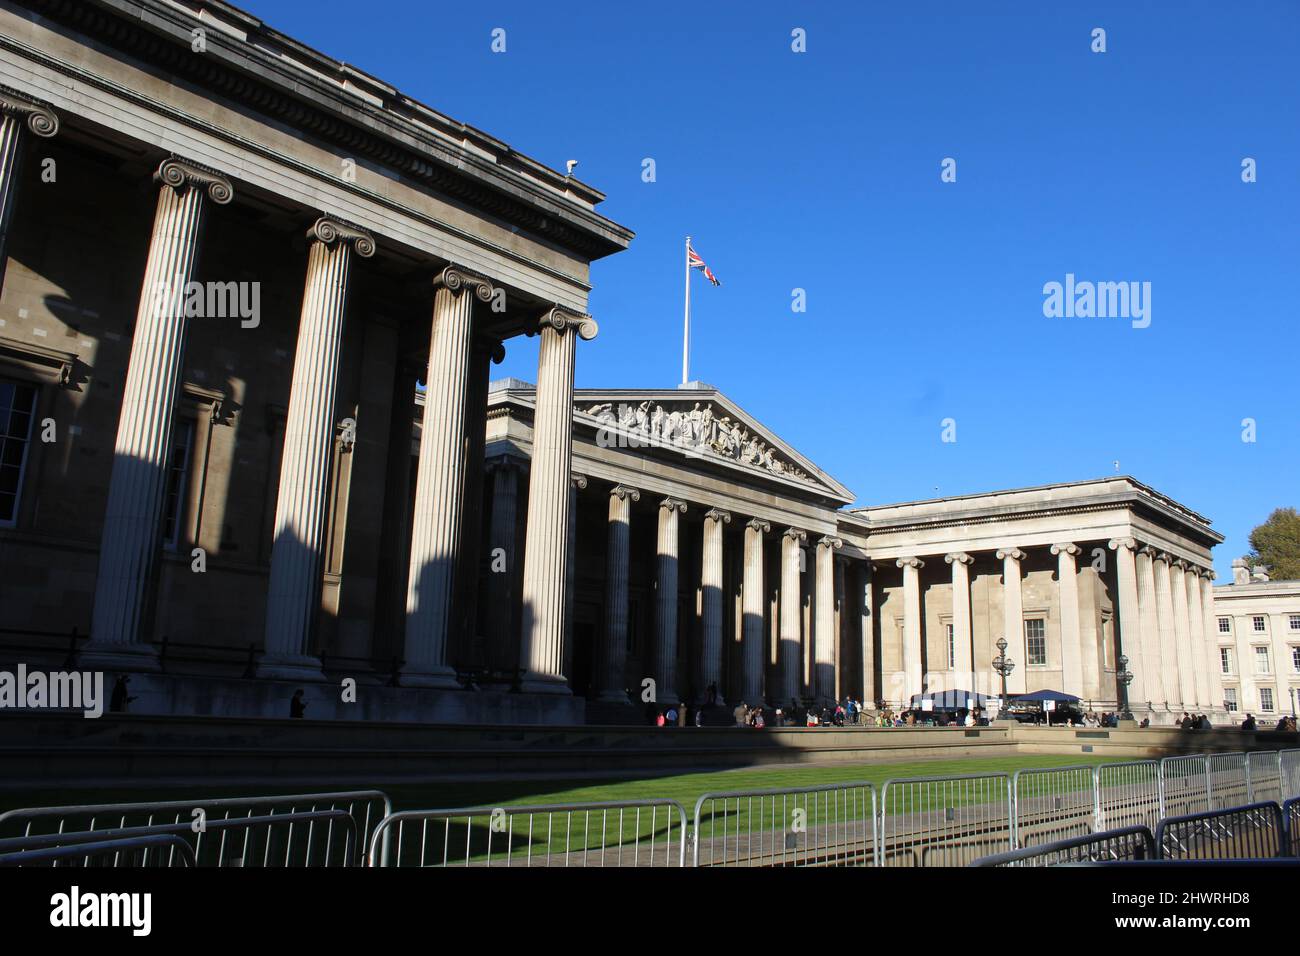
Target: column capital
625 493
1207 573
795 534
916 563
1116 543
504 462
455 279
330 230
717 514
673 504
1015 554
1181 564
1067 547
759 525
830 541
579 482
563 320
958 557
1146 550
490 346
181 174
40 119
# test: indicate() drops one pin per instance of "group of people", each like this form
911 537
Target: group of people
1196 722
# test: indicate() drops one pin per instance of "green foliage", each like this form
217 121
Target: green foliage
1276 545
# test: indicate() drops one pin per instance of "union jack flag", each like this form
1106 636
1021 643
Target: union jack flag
695 262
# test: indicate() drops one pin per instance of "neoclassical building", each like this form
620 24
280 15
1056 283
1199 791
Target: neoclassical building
1257 643
248 442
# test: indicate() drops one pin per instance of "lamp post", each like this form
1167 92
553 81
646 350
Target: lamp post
1124 678
1004 666
1292 692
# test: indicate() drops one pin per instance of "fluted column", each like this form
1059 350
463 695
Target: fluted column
1129 621
1067 582
752 598
1147 684
1197 646
664 670
501 562
1168 632
1183 634
18 117
841 615
612 659
866 644
1212 639
711 601
541 645
961 636
579 483
791 604
824 641
129 542
1013 617
293 591
912 676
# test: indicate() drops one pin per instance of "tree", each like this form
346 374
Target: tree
1276 545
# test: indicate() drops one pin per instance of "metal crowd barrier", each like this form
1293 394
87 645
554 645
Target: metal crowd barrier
1228 780
1264 777
1128 794
1184 785
1247 832
177 849
366 808
280 840
1127 843
833 825
945 821
632 833
1289 760
1053 804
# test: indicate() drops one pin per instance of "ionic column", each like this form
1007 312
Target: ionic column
791 612
501 563
824 641
141 454
961 636
1183 634
866 646
18 116
293 592
1200 650
841 616
912 675
579 483
1129 621
1013 617
664 670
541 645
711 600
752 598
1147 685
439 524
612 660
1212 639
1168 632
1067 575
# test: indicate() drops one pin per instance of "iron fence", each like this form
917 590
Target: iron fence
1127 843
1228 781
1184 785
1053 804
945 821
1264 777
1249 832
136 851
833 825
1289 760
1128 794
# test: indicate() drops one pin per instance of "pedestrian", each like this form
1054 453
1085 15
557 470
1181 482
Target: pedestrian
297 705
118 703
1249 722
670 717
681 715
699 716
741 714
1186 722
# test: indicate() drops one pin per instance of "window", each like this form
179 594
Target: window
1266 698
1230 698
952 647
17 411
1261 661
1225 625
1294 620
1225 659
1036 641
1295 659
1257 622
174 507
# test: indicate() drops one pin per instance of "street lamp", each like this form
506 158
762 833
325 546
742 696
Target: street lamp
1292 691
1004 666
1124 678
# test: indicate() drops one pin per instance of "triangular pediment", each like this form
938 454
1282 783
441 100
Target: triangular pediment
701 423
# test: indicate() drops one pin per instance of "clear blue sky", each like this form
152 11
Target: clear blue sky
821 171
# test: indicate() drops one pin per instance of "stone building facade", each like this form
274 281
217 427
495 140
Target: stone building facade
1257 643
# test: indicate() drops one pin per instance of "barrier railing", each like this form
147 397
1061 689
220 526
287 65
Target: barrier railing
1253 831
945 821
1128 843
1291 820
1229 781
1184 785
1128 794
633 833
1053 804
1264 777
365 807
83 853
809 826
284 840
1290 763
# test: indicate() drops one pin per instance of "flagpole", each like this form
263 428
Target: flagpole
686 328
